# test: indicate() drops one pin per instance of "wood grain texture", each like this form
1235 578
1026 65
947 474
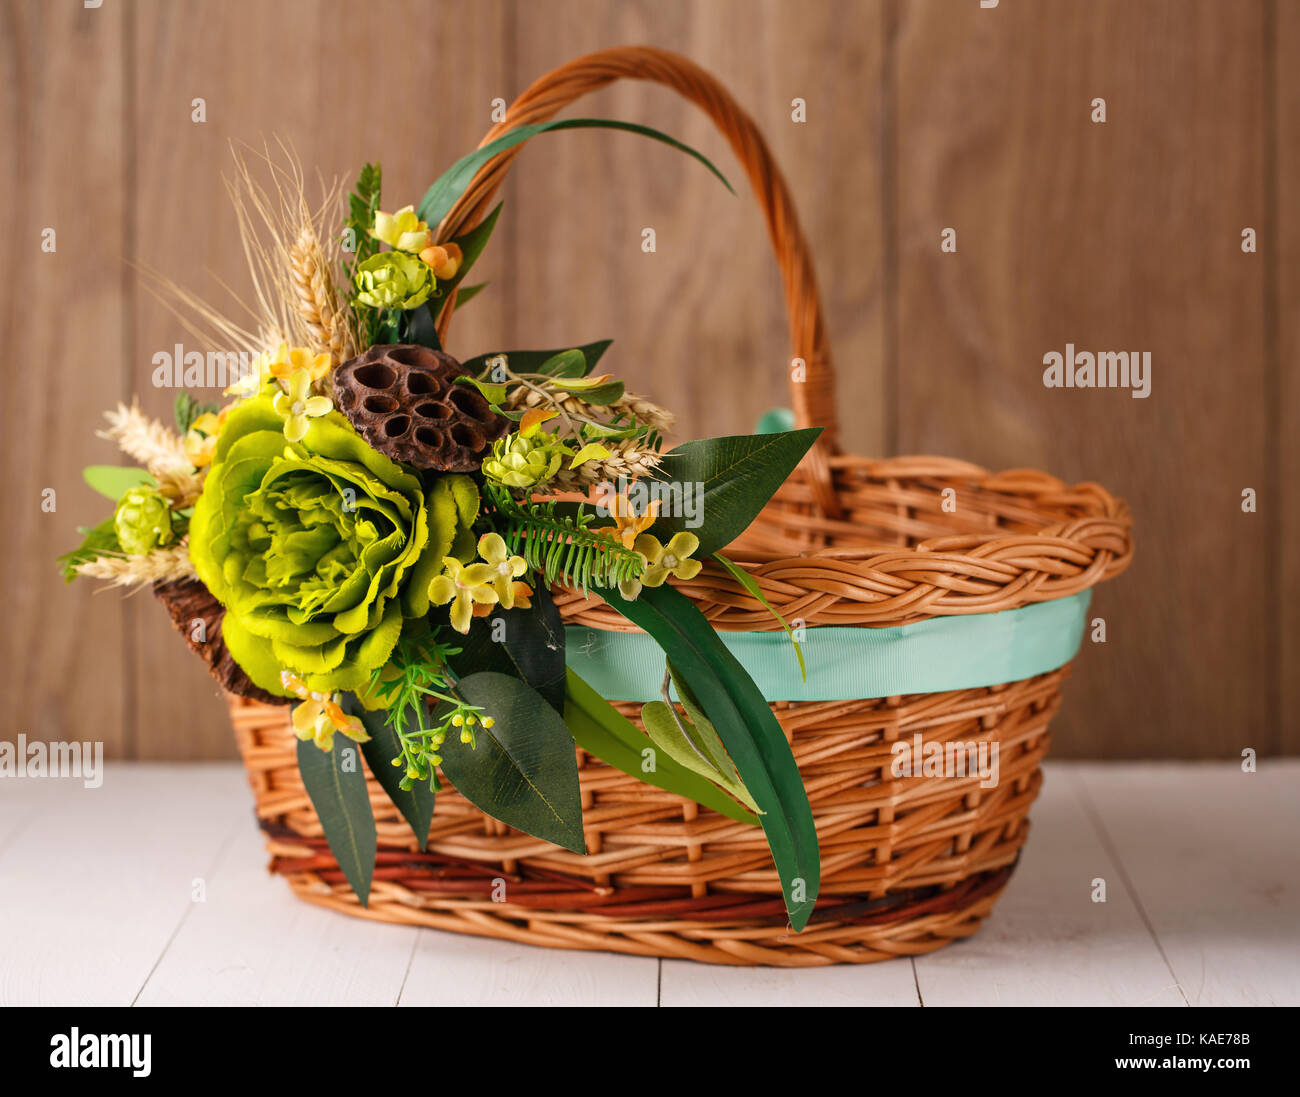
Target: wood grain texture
286 71
698 324
1283 68
63 334
1117 236
920 115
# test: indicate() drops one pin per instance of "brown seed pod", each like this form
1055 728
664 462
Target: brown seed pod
404 401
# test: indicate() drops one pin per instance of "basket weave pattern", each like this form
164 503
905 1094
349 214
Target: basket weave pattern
908 864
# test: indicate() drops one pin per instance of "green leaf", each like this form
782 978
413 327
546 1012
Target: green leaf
471 245
748 730
440 197
747 581
532 647
100 540
421 327
683 741
336 783
590 452
493 393
602 395
114 481
465 294
603 732
535 361
568 363
384 745
739 475
522 770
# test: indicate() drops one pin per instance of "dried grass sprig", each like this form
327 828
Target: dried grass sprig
628 460
320 309
146 440
180 487
161 565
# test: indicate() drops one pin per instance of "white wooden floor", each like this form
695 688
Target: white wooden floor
1201 865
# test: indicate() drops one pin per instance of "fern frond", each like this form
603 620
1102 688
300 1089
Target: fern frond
563 546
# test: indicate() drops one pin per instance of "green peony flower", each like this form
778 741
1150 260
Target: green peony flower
322 550
143 521
393 280
525 460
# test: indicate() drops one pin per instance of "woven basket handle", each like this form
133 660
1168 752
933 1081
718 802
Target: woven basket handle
813 399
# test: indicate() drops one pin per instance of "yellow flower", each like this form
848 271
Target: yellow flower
670 559
251 384
521 595
319 716
201 439
401 231
298 360
463 587
298 405
627 524
505 568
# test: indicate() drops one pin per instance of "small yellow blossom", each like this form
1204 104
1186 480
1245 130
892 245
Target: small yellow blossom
289 362
505 568
298 405
670 559
319 716
463 587
401 231
628 525
520 598
201 439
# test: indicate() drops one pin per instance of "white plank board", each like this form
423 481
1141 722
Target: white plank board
1047 942
453 970
890 983
1214 856
251 941
92 893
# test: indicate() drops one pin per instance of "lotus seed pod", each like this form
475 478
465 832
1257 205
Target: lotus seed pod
405 402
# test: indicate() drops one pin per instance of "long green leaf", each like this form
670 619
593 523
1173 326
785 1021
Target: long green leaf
748 729
538 361
601 730
336 783
684 742
471 246
748 582
739 475
522 770
440 197
415 803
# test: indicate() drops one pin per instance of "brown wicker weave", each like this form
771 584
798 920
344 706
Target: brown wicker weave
907 864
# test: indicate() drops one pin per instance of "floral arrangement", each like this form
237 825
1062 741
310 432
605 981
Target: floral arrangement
370 531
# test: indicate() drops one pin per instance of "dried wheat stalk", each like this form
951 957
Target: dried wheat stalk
146 440
161 565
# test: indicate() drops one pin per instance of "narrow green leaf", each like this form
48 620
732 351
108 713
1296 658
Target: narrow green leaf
536 361
747 581
445 191
750 732
523 770
602 731
465 294
739 474
679 738
415 803
336 784
703 734
471 245
114 481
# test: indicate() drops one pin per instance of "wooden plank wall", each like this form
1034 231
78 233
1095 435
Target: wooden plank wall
921 115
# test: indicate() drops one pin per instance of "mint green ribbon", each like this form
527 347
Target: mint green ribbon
942 653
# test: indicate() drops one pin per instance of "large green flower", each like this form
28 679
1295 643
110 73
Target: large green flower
319 550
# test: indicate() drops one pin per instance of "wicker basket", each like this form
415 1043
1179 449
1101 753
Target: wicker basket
908 864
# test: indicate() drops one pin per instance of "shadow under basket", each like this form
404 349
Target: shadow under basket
909 863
